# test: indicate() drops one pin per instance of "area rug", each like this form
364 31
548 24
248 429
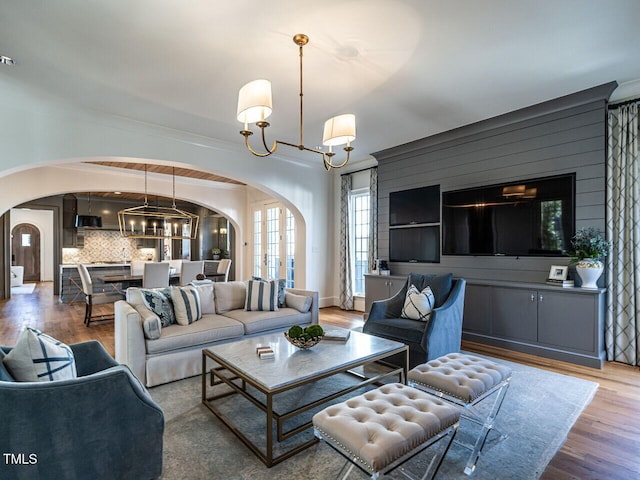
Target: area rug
24 289
539 410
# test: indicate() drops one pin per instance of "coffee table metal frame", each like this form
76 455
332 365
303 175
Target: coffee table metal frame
237 380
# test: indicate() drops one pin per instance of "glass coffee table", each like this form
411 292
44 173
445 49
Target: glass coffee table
259 381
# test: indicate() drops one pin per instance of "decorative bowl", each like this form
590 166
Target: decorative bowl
302 342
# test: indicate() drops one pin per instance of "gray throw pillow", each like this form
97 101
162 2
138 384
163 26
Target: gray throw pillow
302 303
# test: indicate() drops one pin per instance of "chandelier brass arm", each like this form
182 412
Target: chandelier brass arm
255 105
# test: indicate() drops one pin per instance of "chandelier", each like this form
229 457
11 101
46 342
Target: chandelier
154 221
254 106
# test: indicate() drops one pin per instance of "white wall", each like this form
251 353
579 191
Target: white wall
43 220
44 141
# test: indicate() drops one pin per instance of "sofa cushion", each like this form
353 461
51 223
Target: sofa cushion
159 302
229 296
262 295
302 303
205 291
260 321
208 329
440 285
186 304
39 358
418 304
399 329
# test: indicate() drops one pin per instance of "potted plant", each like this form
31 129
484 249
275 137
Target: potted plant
216 253
589 249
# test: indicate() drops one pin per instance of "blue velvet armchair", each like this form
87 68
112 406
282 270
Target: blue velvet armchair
101 425
442 334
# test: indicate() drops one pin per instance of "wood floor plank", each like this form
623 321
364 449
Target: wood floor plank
603 444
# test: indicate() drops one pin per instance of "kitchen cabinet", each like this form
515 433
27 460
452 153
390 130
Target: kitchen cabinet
561 323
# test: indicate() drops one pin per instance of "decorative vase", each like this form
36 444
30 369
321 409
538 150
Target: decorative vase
589 272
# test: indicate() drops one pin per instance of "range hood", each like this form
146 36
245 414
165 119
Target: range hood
88 221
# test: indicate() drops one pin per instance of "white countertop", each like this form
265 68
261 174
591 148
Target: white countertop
91 265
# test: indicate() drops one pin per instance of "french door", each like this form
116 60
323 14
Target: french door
274 243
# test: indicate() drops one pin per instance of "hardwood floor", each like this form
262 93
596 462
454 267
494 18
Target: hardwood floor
603 444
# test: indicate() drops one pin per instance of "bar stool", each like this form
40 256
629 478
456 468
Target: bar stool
466 381
381 429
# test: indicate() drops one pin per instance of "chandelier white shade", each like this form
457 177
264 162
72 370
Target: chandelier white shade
339 130
254 102
255 106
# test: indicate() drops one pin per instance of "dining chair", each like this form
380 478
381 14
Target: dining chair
223 267
156 275
95 298
137 267
190 270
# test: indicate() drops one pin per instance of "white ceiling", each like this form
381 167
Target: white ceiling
407 69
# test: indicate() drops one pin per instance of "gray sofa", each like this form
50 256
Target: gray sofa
177 353
101 425
442 334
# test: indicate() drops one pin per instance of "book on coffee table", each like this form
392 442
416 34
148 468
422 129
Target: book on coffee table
336 335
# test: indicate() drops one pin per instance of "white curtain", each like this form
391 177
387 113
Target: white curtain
622 335
346 286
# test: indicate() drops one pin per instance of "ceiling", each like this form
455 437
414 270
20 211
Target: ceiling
407 69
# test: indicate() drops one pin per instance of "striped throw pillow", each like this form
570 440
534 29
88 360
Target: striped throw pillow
262 295
418 304
186 304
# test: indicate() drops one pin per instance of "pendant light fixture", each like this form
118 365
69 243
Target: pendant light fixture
154 221
254 106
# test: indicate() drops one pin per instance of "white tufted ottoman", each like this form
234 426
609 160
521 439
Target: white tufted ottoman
465 380
383 428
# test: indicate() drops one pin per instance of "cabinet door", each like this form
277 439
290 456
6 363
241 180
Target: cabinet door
515 313
477 307
380 288
568 321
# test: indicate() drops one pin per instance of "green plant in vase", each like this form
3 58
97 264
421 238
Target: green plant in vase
589 249
216 253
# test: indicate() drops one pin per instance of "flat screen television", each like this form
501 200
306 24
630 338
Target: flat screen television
533 217
414 244
415 206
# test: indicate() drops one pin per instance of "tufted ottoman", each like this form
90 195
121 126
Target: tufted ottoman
465 380
383 428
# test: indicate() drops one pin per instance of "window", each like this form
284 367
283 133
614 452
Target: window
274 243
26 240
359 215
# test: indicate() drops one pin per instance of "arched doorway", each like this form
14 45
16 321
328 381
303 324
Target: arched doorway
25 250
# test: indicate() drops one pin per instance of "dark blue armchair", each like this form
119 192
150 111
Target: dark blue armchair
442 334
101 425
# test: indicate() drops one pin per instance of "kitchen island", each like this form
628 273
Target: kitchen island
71 285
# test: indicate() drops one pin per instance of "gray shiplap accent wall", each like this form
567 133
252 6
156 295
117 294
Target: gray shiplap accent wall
564 135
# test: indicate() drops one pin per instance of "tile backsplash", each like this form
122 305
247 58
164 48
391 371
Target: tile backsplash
106 246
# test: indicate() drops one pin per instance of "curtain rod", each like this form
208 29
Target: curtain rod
611 106
358 171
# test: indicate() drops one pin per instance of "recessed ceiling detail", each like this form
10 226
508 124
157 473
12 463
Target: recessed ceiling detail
168 170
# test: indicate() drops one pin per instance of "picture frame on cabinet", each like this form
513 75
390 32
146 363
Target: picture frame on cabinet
558 272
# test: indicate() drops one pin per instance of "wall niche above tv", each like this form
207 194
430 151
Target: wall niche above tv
532 217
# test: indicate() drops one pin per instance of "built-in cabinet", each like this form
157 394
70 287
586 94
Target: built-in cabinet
561 323
380 287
